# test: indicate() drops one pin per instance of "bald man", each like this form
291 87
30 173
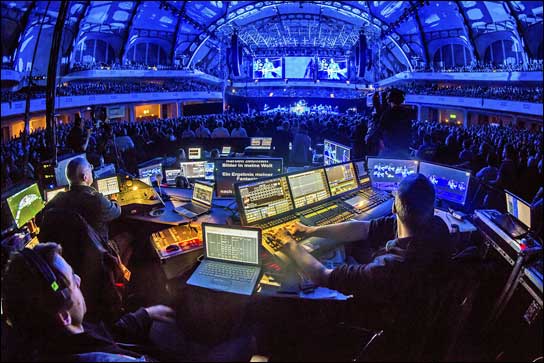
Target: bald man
82 198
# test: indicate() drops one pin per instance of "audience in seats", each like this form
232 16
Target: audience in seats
302 146
238 130
220 131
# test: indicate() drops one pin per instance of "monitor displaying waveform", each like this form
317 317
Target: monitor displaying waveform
450 184
386 174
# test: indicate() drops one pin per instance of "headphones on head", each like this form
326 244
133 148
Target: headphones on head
58 291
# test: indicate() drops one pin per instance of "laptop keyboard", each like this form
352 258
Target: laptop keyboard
227 271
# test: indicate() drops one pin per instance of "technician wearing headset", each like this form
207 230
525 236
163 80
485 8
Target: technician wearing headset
44 304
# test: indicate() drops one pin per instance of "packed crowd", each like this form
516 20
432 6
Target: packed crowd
304 92
78 67
504 92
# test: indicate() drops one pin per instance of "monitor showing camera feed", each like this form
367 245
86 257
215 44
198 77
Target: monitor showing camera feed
209 170
193 169
194 153
518 208
299 67
231 171
50 193
332 68
267 68
25 204
60 170
334 153
260 143
108 186
341 178
386 174
263 199
308 187
170 175
362 174
150 171
450 184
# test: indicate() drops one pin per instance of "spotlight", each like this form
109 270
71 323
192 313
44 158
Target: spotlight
347 82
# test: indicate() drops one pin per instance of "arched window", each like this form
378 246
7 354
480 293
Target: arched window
452 55
504 51
148 53
95 51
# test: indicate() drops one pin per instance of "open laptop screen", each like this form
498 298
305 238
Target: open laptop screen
203 193
231 243
108 186
518 208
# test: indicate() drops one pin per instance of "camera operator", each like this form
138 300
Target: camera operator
78 139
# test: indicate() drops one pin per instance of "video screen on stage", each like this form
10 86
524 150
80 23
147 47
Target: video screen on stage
386 174
269 67
299 67
230 171
332 68
450 184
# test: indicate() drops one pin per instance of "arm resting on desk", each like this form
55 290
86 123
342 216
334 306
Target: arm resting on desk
345 232
308 264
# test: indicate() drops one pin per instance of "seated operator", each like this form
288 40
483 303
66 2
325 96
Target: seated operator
408 248
52 323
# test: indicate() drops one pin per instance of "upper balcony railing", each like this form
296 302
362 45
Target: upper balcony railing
535 76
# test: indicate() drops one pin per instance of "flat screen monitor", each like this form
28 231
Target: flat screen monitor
262 199
60 170
194 153
108 186
334 152
146 180
518 208
150 171
450 184
341 178
170 175
267 68
231 171
362 174
386 174
25 204
193 169
231 244
260 143
308 187
225 150
50 193
209 170
332 68
299 67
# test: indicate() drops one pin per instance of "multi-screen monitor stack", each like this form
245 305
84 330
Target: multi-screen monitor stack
304 67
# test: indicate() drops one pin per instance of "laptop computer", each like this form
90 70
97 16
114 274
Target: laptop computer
225 151
200 203
517 220
231 259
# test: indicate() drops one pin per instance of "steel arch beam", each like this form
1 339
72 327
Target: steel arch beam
422 36
176 34
24 23
469 31
519 29
77 26
123 49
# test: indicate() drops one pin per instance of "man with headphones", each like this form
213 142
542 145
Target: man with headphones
43 303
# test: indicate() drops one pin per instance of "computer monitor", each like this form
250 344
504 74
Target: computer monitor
334 153
230 243
362 174
308 187
225 150
150 171
518 208
341 178
194 153
146 180
260 143
60 170
25 204
450 184
193 169
203 193
263 199
50 193
108 186
209 170
386 174
170 175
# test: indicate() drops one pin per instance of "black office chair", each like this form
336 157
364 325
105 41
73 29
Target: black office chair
94 260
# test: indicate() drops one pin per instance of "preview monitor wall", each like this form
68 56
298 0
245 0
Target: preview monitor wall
230 171
334 153
332 68
386 174
299 67
267 68
60 170
450 184
25 204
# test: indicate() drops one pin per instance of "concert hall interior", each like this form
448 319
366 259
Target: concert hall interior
271 181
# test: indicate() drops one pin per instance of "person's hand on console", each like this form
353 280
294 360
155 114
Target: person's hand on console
161 313
300 230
